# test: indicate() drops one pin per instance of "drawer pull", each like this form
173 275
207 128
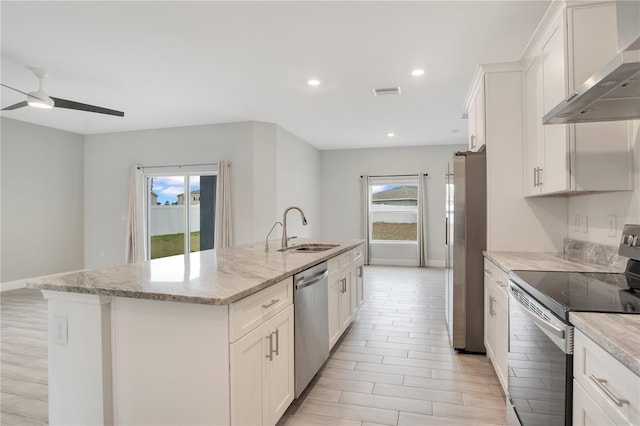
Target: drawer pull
488 271
270 304
602 384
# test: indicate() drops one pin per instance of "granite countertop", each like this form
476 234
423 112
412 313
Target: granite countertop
213 277
616 333
538 261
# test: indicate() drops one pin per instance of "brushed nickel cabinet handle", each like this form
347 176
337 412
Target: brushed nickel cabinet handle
270 304
270 354
602 384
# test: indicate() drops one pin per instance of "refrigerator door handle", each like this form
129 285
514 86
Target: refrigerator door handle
446 231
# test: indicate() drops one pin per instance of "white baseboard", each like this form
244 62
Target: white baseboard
405 262
13 285
394 262
22 283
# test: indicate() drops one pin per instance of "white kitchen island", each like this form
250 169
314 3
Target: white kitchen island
178 340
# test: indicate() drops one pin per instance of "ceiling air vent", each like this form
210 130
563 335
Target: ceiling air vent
387 91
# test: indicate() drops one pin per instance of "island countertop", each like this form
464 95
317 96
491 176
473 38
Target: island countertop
212 277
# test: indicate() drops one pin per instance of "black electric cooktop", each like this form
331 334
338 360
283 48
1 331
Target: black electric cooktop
563 292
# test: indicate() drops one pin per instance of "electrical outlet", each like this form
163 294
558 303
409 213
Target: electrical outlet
60 336
576 223
584 223
613 226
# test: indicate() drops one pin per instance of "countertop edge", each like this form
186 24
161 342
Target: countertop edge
586 323
167 297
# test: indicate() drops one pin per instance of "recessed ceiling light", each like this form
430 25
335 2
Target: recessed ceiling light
390 134
313 82
417 72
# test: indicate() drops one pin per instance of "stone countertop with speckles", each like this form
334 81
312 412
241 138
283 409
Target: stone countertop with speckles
618 334
213 277
539 261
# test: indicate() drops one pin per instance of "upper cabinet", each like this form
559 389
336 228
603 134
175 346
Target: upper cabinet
569 46
475 107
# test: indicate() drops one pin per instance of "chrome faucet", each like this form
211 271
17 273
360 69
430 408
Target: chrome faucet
266 242
285 240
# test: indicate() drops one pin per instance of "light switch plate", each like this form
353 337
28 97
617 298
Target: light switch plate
60 330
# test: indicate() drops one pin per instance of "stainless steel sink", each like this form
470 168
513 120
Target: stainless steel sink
309 248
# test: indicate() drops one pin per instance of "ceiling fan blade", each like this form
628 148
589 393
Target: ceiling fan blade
15 106
63 103
20 91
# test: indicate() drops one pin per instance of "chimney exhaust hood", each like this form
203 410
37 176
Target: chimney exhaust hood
612 93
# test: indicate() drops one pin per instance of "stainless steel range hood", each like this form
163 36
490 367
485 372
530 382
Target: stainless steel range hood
613 93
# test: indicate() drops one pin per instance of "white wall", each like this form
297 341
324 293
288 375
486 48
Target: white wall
298 184
622 206
42 200
107 161
341 196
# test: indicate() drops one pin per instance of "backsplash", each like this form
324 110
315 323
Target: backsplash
585 251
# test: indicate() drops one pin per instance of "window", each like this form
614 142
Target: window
180 202
393 210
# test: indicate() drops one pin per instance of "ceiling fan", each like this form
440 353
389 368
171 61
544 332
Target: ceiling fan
40 99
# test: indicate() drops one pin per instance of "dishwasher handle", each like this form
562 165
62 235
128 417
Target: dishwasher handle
312 280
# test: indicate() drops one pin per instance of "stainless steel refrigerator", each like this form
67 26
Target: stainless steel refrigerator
465 239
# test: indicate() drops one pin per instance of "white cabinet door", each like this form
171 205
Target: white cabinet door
471 122
262 369
502 337
280 368
534 134
489 317
335 286
248 378
359 274
480 117
345 300
585 411
554 176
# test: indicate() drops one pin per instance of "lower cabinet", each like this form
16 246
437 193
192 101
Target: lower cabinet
496 320
605 390
585 410
346 282
262 372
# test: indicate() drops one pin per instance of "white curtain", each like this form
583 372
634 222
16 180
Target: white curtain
365 216
224 225
422 224
135 248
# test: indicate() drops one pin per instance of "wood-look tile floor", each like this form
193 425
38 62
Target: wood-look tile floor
393 366
23 358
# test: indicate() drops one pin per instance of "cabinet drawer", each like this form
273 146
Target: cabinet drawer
248 313
614 387
357 254
344 259
496 274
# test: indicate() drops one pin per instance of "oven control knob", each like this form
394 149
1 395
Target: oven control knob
634 240
625 239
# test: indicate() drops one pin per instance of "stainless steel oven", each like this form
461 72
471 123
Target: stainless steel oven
541 337
540 362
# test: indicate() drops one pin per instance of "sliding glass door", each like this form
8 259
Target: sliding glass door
180 212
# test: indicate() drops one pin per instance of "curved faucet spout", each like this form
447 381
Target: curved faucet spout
285 240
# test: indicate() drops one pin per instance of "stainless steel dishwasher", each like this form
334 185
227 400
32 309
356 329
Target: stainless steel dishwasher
310 299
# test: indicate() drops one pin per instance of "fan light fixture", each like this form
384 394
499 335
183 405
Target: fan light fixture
39 99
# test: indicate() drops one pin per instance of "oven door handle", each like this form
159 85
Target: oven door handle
542 323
